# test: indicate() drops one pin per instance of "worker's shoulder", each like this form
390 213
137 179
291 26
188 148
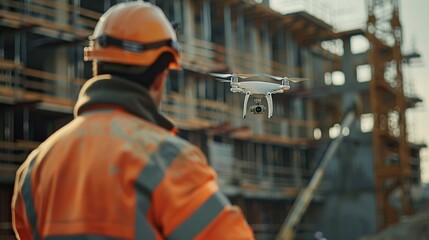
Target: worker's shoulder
140 130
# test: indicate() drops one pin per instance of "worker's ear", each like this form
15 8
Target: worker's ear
157 88
158 83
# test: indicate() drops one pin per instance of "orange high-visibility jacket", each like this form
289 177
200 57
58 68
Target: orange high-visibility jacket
117 172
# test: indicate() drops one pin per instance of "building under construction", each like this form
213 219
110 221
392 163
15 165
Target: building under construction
328 160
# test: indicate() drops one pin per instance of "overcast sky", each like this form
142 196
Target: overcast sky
414 19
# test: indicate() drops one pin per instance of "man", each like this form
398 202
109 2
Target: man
117 171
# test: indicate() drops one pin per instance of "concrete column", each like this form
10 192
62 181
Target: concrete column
292 55
254 48
348 69
106 5
266 45
298 109
297 176
190 91
76 12
207 21
241 38
281 46
228 33
26 123
20 55
188 19
178 16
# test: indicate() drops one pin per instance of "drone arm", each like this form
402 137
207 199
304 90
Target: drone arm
236 90
246 99
277 91
270 104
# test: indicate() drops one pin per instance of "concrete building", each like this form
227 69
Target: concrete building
263 164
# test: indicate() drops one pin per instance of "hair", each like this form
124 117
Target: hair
140 74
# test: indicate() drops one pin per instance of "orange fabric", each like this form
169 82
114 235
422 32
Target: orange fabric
85 181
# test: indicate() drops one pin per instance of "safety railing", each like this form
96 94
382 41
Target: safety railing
16 152
318 8
78 23
198 55
6 231
201 113
207 56
50 17
262 176
18 82
12 155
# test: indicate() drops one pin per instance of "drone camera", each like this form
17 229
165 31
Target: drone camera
257 109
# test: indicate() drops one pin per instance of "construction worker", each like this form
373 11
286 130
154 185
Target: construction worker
116 171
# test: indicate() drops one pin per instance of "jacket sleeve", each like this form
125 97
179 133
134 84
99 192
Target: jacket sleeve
188 204
20 223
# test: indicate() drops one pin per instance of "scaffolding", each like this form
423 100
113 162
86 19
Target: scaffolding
388 105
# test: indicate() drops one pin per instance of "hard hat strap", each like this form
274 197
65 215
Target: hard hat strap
105 41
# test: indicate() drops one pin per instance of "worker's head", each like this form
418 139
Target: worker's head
134 40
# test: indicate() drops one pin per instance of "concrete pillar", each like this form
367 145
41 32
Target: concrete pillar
241 37
348 69
297 176
281 50
106 5
228 34
298 109
254 48
207 21
188 19
292 55
266 45
178 16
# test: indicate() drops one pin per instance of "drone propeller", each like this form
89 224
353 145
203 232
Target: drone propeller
294 80
223 80
229 75
242 75
221 75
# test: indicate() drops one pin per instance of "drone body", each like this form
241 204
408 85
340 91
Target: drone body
256 89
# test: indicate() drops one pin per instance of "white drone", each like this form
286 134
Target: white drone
258 89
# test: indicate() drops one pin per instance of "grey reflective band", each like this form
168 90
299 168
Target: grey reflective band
153 172
27 193
148 180
80 237
142 228
201 218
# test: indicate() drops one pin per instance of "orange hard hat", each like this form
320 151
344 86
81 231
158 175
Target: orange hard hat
133 33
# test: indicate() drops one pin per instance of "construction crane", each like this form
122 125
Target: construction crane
306 195
388 106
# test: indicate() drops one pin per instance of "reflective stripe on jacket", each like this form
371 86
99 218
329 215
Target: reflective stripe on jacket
118 173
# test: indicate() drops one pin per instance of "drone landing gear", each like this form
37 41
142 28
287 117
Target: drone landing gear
270 104
246 99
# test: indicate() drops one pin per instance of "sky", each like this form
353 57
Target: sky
413 15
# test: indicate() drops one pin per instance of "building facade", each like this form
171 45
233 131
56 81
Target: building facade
262 164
